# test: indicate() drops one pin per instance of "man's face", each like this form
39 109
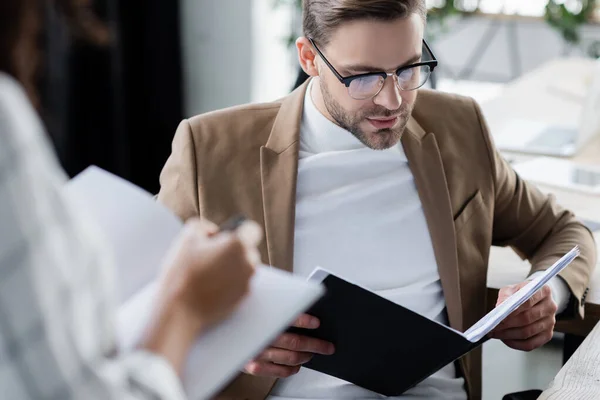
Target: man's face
371 46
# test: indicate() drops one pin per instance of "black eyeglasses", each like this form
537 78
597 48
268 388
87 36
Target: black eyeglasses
368 85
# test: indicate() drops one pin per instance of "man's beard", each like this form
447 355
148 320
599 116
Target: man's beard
388 137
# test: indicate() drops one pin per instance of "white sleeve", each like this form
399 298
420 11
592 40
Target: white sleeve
56 297
560 291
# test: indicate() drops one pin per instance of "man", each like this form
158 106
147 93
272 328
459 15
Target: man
403 195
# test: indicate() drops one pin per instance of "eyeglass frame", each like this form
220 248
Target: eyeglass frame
432 64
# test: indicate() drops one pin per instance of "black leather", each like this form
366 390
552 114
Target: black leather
380 345
527 395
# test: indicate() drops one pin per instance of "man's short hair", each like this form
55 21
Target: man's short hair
322 17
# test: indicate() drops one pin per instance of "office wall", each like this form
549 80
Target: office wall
217 53
274 62
235 52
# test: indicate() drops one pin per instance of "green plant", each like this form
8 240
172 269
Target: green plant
437 17
440 14
567 22
295 30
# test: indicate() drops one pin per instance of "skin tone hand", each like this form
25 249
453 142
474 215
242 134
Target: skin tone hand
207 276
289 352
531 325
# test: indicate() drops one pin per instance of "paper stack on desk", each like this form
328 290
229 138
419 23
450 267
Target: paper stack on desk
140 231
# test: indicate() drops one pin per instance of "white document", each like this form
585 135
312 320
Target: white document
498 314
140 231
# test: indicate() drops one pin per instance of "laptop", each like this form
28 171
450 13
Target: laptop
537 137
562 174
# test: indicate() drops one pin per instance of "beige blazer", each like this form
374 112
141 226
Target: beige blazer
245 160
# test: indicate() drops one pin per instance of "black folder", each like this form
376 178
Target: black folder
379 345
386 348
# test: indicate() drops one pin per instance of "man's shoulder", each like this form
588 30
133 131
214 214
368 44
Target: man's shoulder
453 117
434 102
233 122
230 114
458 126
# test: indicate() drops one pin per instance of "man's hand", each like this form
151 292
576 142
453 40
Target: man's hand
531 325
289 352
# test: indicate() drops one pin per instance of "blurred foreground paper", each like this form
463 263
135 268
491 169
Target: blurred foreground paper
140 232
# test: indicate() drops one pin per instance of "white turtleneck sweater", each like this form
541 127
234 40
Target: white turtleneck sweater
358 215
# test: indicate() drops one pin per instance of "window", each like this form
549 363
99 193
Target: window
530 8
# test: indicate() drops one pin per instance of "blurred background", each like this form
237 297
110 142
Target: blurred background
117 105
171 60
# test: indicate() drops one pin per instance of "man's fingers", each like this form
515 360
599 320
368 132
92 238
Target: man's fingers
291 341
526 332
544 293
259 368
307 322
540 295
284 357
531 343
508 291
543 309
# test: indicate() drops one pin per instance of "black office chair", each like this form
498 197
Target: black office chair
527 395
300 78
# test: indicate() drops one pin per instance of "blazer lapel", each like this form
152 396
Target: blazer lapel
279 172
425 162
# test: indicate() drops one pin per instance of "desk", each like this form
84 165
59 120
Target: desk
579 378
529 97
553 93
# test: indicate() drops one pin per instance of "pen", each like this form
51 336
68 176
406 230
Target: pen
232 223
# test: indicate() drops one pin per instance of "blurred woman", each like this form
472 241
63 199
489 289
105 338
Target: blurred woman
57 333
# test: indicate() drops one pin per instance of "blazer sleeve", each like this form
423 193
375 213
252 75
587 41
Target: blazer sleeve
179 177
537 228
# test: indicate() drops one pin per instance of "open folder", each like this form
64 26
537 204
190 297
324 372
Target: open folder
140 231
387 348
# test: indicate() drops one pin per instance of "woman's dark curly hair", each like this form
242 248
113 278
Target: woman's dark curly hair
20 23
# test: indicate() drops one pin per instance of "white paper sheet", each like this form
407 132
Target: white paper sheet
498 314
140 232
275 299
138 229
